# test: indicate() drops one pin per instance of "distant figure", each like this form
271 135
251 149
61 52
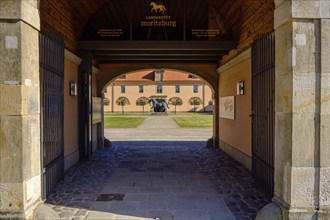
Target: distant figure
158 106
157 8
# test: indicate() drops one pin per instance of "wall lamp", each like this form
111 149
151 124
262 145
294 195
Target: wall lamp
73 88
240 88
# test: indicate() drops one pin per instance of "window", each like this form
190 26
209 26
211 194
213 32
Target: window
177 88
140 88
195 88
159 75
122 89
159 89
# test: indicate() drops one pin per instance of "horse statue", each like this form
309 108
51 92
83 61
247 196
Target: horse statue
158 106
157 8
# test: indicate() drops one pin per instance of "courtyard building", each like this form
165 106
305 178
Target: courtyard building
177 89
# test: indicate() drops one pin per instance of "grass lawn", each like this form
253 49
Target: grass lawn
194 120
122 122
137 114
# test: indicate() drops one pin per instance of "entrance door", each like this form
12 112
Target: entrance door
52 105
263 90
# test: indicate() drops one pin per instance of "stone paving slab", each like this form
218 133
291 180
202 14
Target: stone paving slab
211 185
163 189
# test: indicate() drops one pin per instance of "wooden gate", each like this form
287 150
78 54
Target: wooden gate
263 90
51 60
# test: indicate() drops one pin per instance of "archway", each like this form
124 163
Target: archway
173 84
301 107
203 71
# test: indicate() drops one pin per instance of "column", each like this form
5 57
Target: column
302 154
20 166
216 117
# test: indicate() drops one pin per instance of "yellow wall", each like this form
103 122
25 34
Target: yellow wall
132 93
70 109
237 132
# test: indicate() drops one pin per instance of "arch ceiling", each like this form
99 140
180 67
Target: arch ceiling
131 30
156 20
240 20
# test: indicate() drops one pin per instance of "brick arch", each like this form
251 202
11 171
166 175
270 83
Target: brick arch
108 73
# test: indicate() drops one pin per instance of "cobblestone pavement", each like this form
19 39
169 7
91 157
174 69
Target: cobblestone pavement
75 197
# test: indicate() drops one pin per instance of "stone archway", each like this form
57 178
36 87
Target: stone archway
302 108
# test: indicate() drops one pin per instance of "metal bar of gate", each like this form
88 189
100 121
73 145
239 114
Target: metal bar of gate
52 103
263 86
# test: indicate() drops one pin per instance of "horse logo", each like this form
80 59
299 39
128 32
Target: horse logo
157 8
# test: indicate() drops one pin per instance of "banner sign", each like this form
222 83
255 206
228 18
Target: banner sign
155 20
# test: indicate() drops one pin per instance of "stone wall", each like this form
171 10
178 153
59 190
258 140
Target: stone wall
20 179
302 108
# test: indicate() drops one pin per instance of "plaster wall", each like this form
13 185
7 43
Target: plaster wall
132 93
237 132
71 153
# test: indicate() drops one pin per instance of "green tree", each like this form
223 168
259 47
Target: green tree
195 101
142 101
106 101
175 101
122 101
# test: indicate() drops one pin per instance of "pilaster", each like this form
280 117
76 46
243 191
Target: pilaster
302 177
20 179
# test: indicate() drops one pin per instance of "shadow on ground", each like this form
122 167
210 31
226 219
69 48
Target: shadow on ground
75 197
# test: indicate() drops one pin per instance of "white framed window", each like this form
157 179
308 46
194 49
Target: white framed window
195 88
159 88
141 89
159 75
177 88
122 89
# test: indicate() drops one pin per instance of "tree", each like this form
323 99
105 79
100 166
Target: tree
195 101
122 101
175 101
142 101
106 101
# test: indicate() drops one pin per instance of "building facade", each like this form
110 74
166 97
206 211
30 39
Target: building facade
165 85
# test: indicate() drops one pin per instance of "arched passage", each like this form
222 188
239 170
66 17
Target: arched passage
301 132
207 72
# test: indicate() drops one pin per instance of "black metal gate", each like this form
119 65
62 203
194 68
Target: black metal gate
51 49
263 90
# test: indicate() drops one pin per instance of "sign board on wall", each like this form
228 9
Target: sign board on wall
227 107
155 20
